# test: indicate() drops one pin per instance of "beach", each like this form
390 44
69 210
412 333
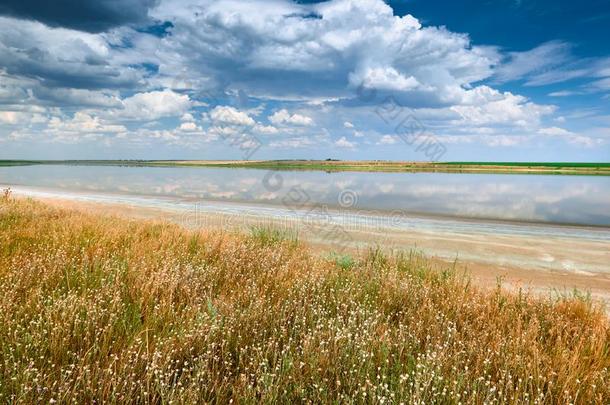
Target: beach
540 258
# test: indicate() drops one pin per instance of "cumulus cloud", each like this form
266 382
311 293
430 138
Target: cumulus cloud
81 126
25 117
9 117
12 117
488 106
266 129
283 117
384 78
60 57
282 68
189 127
85 122
153 105
387 140
344 143
225 115
188 117
279 52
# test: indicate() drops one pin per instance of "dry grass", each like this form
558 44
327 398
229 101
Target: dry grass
111 310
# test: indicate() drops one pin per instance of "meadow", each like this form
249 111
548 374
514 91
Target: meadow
108 309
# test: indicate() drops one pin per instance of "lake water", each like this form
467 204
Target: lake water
578 200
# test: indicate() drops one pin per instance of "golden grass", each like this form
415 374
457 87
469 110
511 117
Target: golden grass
110 310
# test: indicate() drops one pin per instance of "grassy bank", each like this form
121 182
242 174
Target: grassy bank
565 168
116 310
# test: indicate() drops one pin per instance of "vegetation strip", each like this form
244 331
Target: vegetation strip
107 309
566 168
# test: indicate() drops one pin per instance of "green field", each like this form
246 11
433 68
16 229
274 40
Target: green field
17 162
533 164
565 168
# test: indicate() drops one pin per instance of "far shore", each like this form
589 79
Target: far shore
331 165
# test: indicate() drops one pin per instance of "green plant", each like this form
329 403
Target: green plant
343 261
268 236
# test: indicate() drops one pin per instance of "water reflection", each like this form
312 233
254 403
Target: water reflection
560 199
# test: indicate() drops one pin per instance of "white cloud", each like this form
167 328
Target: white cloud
186 135
387 140
277 54
571 137
225 115
553 62
384 78
563 93
585 141
83 122
266 129
188 117
283 117
286 55
9 117
189 127
554 131
153 105
344 143
21 118
489 106
81 126
520 65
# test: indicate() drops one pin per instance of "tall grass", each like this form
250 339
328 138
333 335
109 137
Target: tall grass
110 310
268 235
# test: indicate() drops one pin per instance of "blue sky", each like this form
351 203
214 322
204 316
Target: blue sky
347 79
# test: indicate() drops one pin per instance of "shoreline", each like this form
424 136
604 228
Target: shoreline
539 168
555 265
377 215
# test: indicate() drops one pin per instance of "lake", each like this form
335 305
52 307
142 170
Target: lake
576 200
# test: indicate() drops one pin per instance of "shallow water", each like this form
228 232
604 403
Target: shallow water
578 200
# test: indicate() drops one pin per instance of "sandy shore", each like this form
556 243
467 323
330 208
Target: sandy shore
543 265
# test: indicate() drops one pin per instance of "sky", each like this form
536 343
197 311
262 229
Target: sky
475 80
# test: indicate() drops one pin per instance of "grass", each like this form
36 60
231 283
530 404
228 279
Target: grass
268 236
535 164
112 310
16 163
343 261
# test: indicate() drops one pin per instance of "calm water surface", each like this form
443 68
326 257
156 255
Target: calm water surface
583 200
